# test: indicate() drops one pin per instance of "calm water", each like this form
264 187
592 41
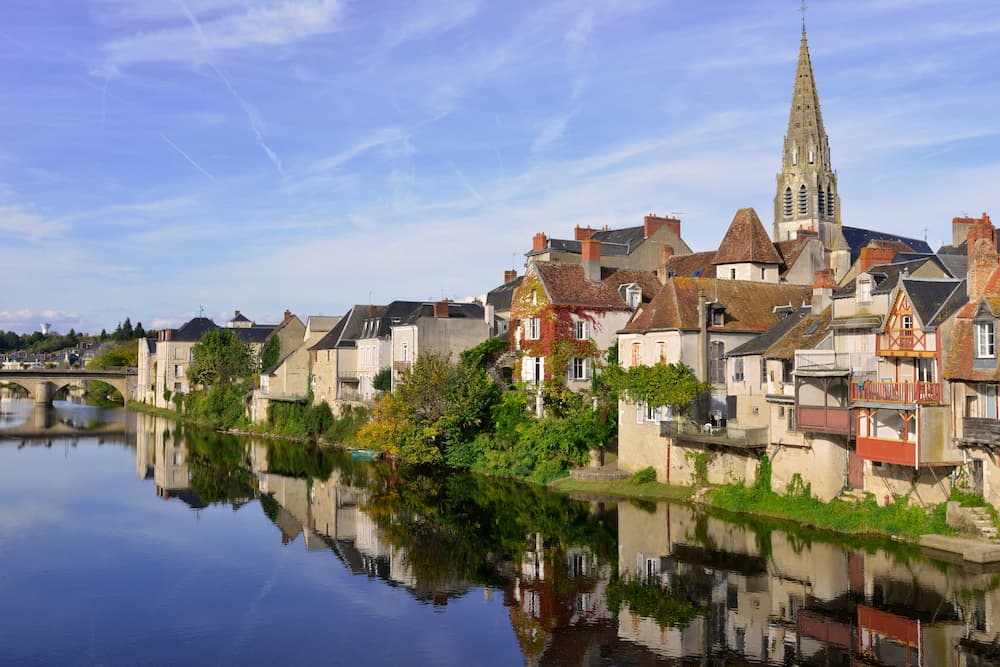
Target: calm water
129 540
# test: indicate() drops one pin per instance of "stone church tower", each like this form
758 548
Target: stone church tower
806 195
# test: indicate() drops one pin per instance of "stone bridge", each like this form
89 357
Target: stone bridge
43 383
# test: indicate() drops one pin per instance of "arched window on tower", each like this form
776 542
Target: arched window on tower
829 202
812 155
820 204
803 200
788 203
795 155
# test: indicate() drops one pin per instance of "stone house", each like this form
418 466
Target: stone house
696 321
446 327
333 359
563 316
374 343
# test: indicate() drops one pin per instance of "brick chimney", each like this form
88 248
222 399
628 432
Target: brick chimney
666 252
168 334
652 223
541 240
590 256
823 288
441 309
982 256
372 309
874 256
288 315
509 275
583 233
960 228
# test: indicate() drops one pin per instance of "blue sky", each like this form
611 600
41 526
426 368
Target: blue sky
161 156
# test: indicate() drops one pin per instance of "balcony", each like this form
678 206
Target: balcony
924 393
821 361
400 366
348 375
819 419
884 450
733 436
979 431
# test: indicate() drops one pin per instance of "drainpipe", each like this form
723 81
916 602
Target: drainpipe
702 367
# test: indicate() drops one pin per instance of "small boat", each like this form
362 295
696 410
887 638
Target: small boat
365 455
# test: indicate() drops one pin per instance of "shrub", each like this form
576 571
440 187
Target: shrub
644 476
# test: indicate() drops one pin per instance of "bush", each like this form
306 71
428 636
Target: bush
644 476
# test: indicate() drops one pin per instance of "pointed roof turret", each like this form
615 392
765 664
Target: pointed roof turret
746 241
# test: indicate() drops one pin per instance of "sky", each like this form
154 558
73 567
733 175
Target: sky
164 158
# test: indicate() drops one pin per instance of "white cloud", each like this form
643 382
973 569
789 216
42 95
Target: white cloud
552 129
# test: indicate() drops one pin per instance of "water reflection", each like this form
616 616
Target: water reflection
599 582
64 421
581 583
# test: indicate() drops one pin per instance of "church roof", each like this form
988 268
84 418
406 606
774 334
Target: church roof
746 241
805 118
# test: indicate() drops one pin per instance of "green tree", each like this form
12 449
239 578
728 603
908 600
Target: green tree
271 353
382 380
219 358
104 335
663 384
125 354
139 332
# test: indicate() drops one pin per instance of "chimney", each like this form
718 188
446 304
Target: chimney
982 256
509 275
541 240
652 223
874 256
372 310
823 288
666 252
168 334
288 315
960 228
236 314
441 310
701 369
590 255
583 233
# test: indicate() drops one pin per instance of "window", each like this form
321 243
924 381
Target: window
738 369
652 414
718 317
907 321
795 155
634 298
763 273
732 274
864 291
178 388
191 355
786 371
581 330
788 203
178 371
763 372
791 419
717 363
532 328
926 370
404 352
829 202
178 353
640 412
539 369
812 155
985 344
803 200
820 206
636 354
579 369
661 352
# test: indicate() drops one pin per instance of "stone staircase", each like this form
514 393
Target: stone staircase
983 522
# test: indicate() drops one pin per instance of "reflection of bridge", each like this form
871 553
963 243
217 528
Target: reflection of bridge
44 422
42 384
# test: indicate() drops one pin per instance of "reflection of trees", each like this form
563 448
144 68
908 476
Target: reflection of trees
455 526
219 466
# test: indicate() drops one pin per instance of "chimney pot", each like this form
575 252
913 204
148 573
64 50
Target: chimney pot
590 255
441 309
509 275
540 241
372 310
288 315
583 233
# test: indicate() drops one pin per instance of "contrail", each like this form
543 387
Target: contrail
185 156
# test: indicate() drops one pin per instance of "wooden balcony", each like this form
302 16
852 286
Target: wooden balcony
884 450
734 436
924 393
819 419
400 367
979 431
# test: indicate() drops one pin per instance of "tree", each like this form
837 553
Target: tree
663 384
271 353
382 380
127 329
219 358
139 332
104 335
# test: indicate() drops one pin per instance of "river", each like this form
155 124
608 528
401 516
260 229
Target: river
127 539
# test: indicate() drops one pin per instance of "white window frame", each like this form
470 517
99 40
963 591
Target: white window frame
532 328
985 340
404 352
864 294
581 329
738 375
579 368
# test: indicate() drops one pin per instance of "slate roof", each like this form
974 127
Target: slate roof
258 333
380 326
346 331
693 265
192 330
500 297
806 334
628 236
608 249
317 323
886 276
456 311
935 300
858 238
761 343
239 317
749 306
746 241
566 285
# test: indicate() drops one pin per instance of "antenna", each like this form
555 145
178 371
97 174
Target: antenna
201 311
803 10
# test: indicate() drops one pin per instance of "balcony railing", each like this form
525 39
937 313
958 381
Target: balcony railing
731 436
820 360
925 393
811 419
400 366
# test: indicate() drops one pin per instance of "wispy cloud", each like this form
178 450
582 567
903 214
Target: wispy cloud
22 220
378 138
552 129
424 19
187 157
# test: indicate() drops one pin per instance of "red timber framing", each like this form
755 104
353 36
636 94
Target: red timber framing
902 450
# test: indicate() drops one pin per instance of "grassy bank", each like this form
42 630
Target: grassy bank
624 488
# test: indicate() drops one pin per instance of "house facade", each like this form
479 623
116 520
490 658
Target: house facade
445 327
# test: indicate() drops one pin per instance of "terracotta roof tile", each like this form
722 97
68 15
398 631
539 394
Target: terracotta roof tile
805 335
749 306
567 285
746 241
693 265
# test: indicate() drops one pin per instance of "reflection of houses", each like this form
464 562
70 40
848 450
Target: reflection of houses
161 455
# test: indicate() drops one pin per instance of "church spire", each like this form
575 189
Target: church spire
806 195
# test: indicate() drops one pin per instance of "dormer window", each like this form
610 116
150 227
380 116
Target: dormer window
863 293
985 340
718 316
631 293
